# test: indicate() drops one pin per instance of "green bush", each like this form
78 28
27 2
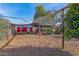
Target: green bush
47 30
72 21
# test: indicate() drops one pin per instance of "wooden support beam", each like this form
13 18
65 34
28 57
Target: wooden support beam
63 28
39 31
13 29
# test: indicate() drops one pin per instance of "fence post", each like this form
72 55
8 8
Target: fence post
62 28
39 31
8 25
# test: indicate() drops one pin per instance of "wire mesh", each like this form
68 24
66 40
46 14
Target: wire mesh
48 41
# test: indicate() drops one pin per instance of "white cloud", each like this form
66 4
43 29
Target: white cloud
8 10
4 12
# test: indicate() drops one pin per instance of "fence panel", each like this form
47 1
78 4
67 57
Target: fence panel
3 29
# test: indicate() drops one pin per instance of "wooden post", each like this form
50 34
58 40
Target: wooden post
39 31
62 29
7 33
13 28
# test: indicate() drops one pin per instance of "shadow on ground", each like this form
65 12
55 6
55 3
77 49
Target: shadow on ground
34 51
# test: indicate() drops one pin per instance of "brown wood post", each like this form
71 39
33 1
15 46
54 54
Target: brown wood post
11 30
39 30
62 29
13 27
7 33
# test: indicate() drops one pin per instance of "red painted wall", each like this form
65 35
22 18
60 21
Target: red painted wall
24 29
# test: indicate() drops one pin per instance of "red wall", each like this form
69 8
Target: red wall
24 29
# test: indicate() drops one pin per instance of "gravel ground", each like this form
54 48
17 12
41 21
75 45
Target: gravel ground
46 45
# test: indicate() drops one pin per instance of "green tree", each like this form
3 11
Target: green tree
72 21
40 11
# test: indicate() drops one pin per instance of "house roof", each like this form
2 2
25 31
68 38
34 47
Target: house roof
46 21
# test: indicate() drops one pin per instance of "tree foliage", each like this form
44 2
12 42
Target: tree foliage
40 11
72 21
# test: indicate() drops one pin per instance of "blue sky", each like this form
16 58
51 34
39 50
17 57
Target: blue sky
25 10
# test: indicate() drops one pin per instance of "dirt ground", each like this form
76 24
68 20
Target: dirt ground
45 45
